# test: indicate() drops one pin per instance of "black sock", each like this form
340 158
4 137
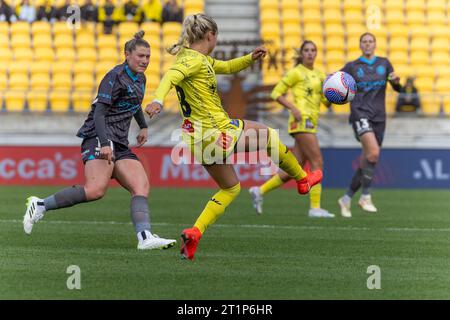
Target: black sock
368 170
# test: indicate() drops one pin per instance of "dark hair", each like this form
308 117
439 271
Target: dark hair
298 58
137 41
367 34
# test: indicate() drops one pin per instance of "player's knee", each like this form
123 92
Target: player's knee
234 191
373 156
95 193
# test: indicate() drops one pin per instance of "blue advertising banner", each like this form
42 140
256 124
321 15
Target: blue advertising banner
397 168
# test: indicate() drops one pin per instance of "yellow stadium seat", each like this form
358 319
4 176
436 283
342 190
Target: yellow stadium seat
440 44
3 82
59 100
311 16
440 58
398 57
419 57
335 43
332 16
397 43
394 5
15 100
128 29
331 4
353 16
292 41
18 67
151 28
419 44
87 55
84 67
443 71
394 16
290 17
446 104
85 40
430 104
425 84
4 42
443 85
40 81
61 27
352 4
65 54
37 101
311 30
292 30
106 41
391 101
290 4
102 67
23 54
398 30
62 67
334 29
333 67
20 27
425 70
310 5
41 27
63 41
4 27
171 29
42 67
415 17
335 57
44 54
436 4
353 54
269 16
83 81
62 81
109 54
82 101
268 4
343 109
415 4
436 17
20 41
42 41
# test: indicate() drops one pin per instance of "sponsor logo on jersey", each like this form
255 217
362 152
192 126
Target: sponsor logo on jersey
381 70
309 124
187 126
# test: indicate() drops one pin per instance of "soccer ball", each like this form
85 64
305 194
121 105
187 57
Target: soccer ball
339 87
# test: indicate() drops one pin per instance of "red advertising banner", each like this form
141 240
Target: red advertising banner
63 166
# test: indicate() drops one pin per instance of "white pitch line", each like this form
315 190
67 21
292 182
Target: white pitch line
252 226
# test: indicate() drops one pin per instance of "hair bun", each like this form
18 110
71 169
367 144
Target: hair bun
139 35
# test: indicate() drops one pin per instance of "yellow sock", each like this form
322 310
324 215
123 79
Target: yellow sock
314 196
216 207
271 184
282 157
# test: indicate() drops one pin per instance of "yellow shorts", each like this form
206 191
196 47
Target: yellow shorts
216 145
308 124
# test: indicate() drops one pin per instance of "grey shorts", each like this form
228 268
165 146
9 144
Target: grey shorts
364 125
90 150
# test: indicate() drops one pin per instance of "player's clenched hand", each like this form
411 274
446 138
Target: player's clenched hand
153 109
142 137
106 153
393 77
259 52
297 114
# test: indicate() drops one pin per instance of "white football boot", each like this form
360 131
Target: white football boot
319 213
148 241
345 207
257 199
33 214
365 202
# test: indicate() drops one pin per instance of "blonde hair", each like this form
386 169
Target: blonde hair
195 27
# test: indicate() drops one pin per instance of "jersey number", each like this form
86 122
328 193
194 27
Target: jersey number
185 107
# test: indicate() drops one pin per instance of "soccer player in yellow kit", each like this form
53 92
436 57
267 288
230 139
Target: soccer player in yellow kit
208 130
306 85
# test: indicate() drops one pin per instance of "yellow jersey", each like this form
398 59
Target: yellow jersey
306 86
194 76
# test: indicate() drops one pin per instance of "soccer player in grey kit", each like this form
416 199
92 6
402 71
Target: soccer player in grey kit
104 150
368 117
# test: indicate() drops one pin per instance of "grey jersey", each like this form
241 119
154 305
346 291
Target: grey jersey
122 92
371 79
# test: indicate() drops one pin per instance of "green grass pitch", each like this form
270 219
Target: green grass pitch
281 254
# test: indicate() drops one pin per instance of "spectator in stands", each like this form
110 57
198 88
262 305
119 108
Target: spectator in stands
89 12
105 148
172 12
6 12
408 99
131 11
47 12
27 12
62 13
105 15
152 11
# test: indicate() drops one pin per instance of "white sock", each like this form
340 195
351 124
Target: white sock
346 198
144 235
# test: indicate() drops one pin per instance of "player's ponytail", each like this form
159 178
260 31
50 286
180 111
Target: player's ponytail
299 57
137 41
195 27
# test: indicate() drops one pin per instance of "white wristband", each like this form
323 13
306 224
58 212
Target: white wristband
158 102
